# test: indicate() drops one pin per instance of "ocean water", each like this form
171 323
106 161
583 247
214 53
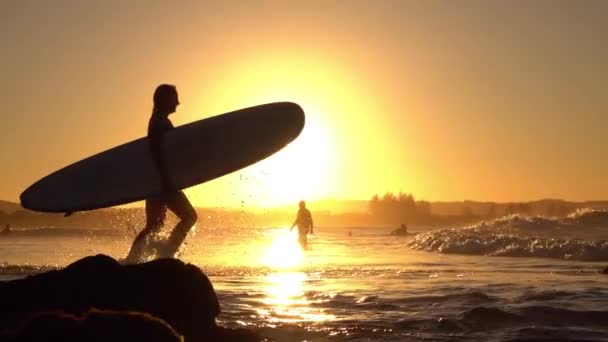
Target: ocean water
513 278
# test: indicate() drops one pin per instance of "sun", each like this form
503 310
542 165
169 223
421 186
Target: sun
305 169
299 171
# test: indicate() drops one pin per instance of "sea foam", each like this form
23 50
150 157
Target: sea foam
579 236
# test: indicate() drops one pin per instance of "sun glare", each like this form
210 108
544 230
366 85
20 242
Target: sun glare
305 168
298 172
284 250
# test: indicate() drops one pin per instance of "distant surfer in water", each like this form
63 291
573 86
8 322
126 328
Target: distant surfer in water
401 230
304 222
165 103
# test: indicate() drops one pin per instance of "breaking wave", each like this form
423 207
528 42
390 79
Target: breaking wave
579 236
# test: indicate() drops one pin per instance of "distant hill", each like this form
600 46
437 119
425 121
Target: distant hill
539 207
9 207
544 207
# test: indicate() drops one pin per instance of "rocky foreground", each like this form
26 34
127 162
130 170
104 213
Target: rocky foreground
98 299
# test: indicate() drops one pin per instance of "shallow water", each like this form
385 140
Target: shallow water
370 286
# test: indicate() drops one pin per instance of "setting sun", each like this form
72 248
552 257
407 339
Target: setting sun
308 167
300 171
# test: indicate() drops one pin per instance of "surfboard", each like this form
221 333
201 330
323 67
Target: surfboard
195 153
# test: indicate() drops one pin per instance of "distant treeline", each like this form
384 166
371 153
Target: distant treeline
402 207
394 209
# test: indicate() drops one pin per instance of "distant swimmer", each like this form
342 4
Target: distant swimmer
401 230
165 103
305 225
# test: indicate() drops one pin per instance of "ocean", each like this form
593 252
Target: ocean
509 279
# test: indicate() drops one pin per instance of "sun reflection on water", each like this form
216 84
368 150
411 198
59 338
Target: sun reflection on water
286 300
286 290
284 250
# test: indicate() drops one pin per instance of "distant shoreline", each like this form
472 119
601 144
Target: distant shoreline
435 214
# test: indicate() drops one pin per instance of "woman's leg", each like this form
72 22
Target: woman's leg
180 205
156 211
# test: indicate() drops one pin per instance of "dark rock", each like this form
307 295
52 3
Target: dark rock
605 270
177 293
95 325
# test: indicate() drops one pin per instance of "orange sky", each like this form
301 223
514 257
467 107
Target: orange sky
448 100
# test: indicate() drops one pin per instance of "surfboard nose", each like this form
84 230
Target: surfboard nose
294 117
28 199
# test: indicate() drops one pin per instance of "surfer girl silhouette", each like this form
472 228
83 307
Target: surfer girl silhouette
165 103
304 222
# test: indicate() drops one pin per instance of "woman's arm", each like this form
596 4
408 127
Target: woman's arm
158 155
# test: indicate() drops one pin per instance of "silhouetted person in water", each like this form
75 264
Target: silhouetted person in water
401 230
304 223
165 103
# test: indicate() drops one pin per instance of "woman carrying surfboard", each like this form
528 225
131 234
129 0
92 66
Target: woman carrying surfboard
165 103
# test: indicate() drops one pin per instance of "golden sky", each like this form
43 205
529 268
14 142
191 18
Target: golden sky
449 100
